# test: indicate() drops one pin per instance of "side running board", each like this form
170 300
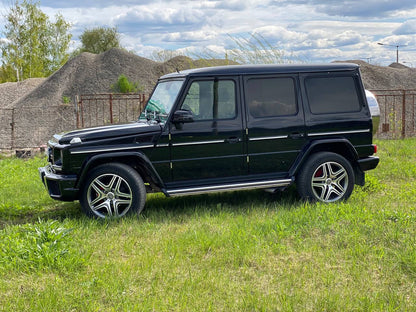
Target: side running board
229 187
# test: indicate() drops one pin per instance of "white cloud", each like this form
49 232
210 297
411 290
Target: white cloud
359 8
315 30
191 36
280 34
407 28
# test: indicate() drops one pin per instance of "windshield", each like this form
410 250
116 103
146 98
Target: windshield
160 104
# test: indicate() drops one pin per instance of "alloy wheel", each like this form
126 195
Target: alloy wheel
329 182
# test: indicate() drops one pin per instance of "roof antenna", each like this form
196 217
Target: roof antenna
177 70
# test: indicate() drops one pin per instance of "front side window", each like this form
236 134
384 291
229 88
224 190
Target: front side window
328 95
271 97
160 104
211 99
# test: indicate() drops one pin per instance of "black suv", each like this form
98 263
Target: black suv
221 129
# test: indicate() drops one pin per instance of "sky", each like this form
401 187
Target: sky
308 31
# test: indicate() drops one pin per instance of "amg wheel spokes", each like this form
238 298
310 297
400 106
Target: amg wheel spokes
329 182
109 195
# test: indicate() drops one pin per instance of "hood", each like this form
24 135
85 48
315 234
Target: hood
108 132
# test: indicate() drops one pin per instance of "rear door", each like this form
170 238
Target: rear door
335 108
275 123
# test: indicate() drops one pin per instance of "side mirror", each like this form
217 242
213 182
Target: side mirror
182 116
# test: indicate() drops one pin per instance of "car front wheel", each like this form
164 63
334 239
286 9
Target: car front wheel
112 191
326 177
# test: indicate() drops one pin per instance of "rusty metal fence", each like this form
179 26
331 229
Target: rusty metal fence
101 109
397 113
32 127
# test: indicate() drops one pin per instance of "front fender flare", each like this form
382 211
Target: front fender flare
139 158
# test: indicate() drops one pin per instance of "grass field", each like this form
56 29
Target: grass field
241 251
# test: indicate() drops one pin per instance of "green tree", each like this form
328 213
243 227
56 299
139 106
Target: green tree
100 39
34 46
6 71
57 50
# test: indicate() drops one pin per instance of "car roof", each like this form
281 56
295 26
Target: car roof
261 69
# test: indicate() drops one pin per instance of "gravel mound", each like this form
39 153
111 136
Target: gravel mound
395 76
91 73
12 91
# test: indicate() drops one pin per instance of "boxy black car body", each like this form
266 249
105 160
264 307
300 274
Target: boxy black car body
220 129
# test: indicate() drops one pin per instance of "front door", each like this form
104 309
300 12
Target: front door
210 148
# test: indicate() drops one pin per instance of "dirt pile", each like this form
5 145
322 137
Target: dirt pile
90 73
12 91
394 76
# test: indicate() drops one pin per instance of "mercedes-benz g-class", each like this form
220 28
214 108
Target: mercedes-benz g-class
221 129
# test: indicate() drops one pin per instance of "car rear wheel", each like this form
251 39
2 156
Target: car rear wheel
112 191
326 177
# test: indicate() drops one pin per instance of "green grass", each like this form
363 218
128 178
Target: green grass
241 251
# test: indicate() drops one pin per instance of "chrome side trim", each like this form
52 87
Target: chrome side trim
198 142
339 132
269 138
229 187
97 150
163 145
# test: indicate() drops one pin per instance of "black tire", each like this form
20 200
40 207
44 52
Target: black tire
325 177
112 190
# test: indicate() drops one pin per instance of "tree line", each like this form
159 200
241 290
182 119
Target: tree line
32 45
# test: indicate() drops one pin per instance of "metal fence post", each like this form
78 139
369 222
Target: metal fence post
76 103
404 115
12 131
111 108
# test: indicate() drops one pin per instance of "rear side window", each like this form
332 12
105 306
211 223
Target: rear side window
271 97
332 95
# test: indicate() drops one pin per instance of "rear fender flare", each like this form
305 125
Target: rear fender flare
340 146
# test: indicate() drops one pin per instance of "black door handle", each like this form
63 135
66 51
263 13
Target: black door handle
296 135
232 140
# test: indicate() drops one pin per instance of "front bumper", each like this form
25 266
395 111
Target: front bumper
59 186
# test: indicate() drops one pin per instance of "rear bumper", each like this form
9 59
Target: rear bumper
59 186
368 163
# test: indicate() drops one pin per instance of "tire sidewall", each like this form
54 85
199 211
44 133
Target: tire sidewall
130 176
305 175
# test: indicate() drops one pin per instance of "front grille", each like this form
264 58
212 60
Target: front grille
57 157
54 156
